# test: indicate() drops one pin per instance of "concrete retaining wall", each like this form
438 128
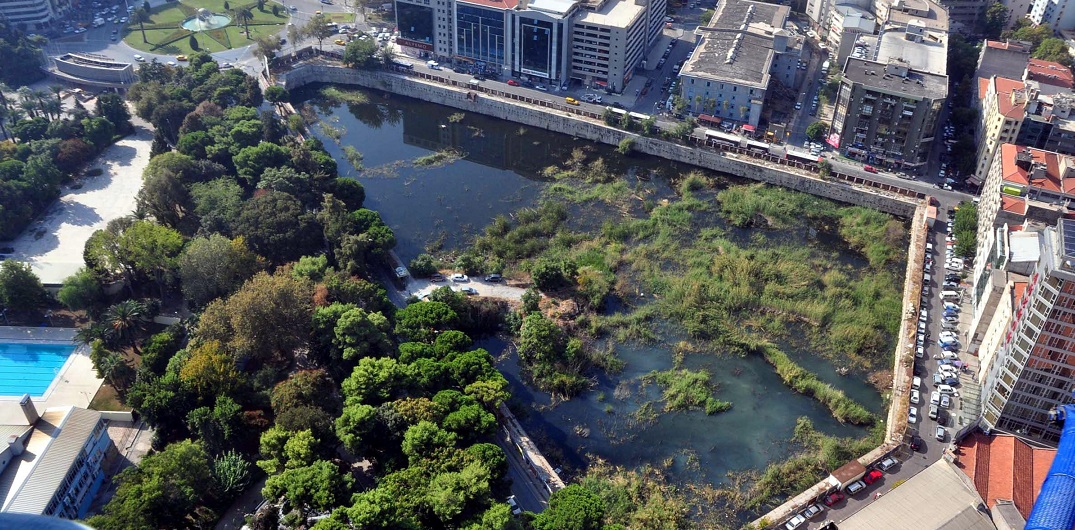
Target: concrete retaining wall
584 124
118 415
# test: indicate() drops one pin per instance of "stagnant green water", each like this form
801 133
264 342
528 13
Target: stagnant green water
445 205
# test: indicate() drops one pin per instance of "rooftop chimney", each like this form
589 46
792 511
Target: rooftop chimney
15 443
28 409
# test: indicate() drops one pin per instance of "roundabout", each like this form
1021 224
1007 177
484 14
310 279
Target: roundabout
181 28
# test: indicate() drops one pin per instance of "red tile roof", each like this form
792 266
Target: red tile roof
1005 467
1049 73
1019 292
1005 106
1050 180
1012 204
1005 45
983 87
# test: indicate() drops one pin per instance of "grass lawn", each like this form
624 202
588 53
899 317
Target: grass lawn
165 20
107 399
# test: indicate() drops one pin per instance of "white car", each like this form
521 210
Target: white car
916 382
458 277
795 522
139 58
468 290
934 398
542 88
915 397
912 415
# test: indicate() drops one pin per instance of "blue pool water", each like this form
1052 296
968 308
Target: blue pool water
27 368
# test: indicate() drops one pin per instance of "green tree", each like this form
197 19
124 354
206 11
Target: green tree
164 196
217 204
319 29
626 146
210 371
361 53
1055 50
112 107
140 16
423 321
318 487
216 266
217 427
305 388
164 488
125 320
159 349
98 132
360 334
111 367
20 289
572 508
276 94
816 131
373 381
426 441
81 291
232 473
252 161
996 17
276 226
1033 34
355 426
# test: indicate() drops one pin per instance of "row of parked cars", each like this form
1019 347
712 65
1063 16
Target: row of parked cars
832 498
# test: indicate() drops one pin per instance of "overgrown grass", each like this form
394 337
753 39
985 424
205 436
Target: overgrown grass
687 390
344 95
438 159
353 156
800 380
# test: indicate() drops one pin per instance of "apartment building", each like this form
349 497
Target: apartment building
1056 14
52 463
966 15
1002 59
848 22
743 50
1000 119
1032 370
886 114
32 15
609 43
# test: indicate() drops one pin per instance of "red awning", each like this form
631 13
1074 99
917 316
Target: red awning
600 83
748 128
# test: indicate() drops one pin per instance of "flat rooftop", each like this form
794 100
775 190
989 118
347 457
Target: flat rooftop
916 84
616 13
930 14
930 55
555 7
750 66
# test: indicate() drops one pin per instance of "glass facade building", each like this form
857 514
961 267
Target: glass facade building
479 33
538 52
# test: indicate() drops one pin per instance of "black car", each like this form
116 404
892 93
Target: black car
494 278
916 443
617 105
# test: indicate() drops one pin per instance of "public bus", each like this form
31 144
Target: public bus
804 157
721 138
760 147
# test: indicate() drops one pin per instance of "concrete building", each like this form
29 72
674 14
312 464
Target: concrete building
1000 119
966 15
886 113
1032 371
93 70
901 13
1002 59
608 43
32 15
1017 10
51 464
1048 121
542 39
1049 73
743 50
848 21
599 43
1056 14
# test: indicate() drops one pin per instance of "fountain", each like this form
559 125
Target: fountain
206 20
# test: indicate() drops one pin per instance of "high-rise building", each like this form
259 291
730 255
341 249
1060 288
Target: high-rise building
886 114
609 43
1055 14
1000 119
1033 369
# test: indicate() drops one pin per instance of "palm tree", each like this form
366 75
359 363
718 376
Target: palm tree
57 90
125 319
53 108
42 96
140 16
93 332
242 16
26 101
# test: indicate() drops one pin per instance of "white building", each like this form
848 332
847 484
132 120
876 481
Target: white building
608 44
848 22
1057 14
51 465
32 14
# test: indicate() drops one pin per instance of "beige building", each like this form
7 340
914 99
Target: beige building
1000 119
743 50
609 43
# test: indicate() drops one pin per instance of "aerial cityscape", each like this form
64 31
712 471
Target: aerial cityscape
537 264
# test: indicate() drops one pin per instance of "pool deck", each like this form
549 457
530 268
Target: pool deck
76 383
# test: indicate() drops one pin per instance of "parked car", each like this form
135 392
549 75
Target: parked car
494 278
916 443
512 82
933 411
436 277
912 415
796 521
855 487
916 382
833 498
941 434
916 396
812 511
468 290
945 401
872 476
869 169
515 510
887 464
459 277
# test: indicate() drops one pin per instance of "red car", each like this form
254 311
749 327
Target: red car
833 498
869 169
872 476
512 82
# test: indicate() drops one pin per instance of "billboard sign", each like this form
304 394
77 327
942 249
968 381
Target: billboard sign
414 44
833 140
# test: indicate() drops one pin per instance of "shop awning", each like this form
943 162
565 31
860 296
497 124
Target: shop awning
748 128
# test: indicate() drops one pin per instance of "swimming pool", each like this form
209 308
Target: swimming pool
30 368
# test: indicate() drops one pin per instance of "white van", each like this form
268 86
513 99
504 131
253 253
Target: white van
929 247
433 65
945 389
950 295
